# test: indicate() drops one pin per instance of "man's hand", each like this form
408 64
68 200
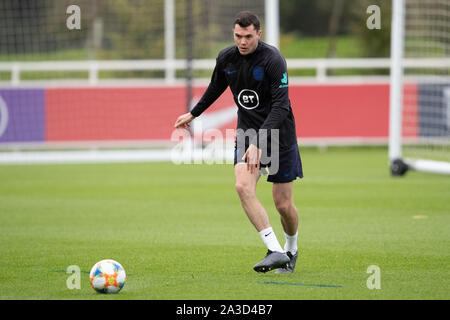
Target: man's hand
183 121
252 157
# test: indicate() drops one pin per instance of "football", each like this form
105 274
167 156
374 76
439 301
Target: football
107 276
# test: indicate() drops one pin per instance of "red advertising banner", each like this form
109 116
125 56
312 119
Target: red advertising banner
83 114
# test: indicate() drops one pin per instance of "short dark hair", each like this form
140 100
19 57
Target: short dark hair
246 19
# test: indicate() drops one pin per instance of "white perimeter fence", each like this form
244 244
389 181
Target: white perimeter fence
95 153
321 66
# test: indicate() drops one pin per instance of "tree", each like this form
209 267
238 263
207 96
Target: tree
373 42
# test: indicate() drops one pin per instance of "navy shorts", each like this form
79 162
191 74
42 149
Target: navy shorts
289 168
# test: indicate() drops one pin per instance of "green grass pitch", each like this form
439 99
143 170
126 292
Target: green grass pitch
180 232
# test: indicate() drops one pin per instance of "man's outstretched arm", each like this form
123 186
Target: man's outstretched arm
216 87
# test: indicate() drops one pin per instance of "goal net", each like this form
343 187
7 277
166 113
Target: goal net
420 86
93 74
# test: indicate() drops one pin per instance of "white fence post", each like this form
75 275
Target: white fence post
15 74
93 73
321 71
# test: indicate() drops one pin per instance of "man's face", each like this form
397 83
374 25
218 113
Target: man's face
246 39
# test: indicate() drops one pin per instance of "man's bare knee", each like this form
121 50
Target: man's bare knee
284 207
244 190
245 183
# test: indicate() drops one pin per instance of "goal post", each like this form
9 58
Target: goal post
419 124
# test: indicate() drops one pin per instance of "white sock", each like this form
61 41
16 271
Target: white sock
291 243
270 240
